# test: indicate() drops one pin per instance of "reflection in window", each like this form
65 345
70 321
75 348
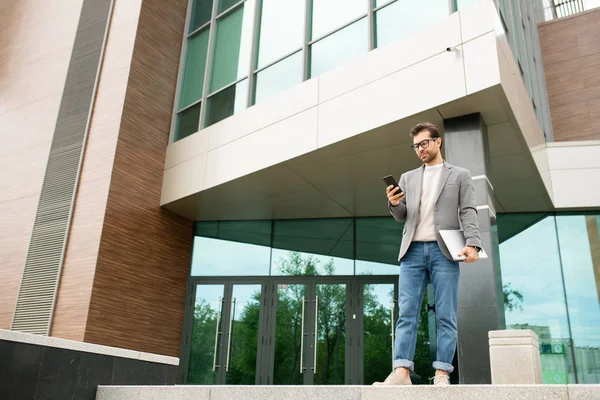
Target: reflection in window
226 4
278 78
534 297
193 71
328 15
377 240
579 239
201 12
339 48
233 46
293 263
187 122
227 102
374 268
406 16
281 30
213 257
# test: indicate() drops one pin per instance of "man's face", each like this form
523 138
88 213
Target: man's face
430 152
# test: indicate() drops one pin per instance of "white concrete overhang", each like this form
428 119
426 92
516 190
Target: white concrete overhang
319 150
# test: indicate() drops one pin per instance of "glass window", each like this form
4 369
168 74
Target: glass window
462 4
201 13
279 77
534 297
339 48
292 263
227 102
214 257
226 4
328 15
281 29
253 232
406 16
378 243
233 46
329 237
187 122
579 239
193 71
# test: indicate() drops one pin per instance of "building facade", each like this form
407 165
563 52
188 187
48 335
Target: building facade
203 179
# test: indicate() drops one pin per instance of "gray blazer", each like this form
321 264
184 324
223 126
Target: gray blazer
454 206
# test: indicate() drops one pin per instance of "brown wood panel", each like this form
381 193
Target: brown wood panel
571 57
139 288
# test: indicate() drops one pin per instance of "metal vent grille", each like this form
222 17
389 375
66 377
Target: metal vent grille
39 284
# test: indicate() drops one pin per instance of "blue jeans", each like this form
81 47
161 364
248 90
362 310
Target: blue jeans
424 261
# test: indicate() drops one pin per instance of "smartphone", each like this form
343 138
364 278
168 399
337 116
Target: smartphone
389 180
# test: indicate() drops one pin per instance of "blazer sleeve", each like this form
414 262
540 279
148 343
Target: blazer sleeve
468 211
399 211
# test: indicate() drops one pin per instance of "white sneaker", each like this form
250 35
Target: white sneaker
394 379
441 380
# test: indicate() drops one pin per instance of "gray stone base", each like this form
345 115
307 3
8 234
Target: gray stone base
463 392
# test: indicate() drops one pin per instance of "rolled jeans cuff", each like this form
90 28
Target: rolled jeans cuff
404 364
442 366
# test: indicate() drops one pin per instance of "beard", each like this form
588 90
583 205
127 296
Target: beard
430 157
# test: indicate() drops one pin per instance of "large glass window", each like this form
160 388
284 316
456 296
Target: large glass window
233 42
328 15
405 16
201 13
214 257
339 48
187 122
281 30
193 71
554 290
278 77
227 102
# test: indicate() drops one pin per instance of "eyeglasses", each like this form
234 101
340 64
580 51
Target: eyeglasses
422 144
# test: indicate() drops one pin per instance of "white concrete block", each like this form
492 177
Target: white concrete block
481 63
286 139
183 179
515 357
406 51
187 148
291 102
423 86
479 19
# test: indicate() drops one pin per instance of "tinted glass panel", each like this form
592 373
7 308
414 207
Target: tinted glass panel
406 16
233 46
339 48
278 77
253 232
377 241
281 29
225 4
328 15
193 72
579 239
293 263
213 257
187 122
201 13
206 340
534 297
245 318
227 102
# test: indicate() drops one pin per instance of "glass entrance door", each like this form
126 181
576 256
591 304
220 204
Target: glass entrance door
309 332
223 344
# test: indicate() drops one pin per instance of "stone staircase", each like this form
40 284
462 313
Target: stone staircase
462 392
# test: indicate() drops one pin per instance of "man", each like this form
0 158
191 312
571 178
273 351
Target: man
431 198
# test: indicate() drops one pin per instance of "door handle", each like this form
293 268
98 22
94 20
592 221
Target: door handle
393 330
302 339
217 333
316 331
230 332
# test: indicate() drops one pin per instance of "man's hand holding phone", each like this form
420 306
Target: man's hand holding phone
394 195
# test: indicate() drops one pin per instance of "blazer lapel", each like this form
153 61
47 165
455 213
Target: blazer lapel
446 170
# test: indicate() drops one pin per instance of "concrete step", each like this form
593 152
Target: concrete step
462 392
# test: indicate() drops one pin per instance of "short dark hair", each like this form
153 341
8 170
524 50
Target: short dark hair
434 131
